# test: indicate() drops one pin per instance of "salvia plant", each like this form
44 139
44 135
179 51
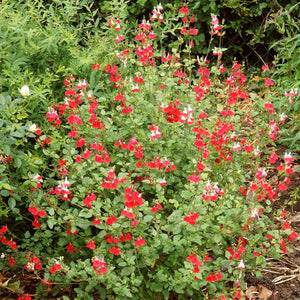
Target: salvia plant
157 179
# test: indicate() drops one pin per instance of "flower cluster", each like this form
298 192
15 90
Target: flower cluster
191 218
10 242
34 262
156 13
184 10
56 265
215 26
112 182
195 261
36 214
99 265
139 242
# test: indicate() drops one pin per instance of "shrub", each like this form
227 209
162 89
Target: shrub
155 180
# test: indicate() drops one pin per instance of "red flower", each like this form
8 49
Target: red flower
42 213
97 221
81 142
184 9
193 31
128 237
111 219
78 158
70 247
114 250
55 267
36 224
194 260
11 261
91 245
139 242
139 164
86 154
99 265
33 210
153 209
268 81
200 167
206 258
214 277
280 167
46 282
196 269
253 187
286 225
265 67
26 297
293 236
69 231
96 66
191 218
283 214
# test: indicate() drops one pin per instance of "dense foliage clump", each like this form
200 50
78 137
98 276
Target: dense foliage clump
143 173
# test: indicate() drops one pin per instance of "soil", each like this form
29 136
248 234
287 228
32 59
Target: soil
282 277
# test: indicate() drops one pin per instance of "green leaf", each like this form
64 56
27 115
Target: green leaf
126 271
51 211
18 162
148 218
51 223
260 260
217 250
217 238
18 134
156 287
4 193
6 150
85 213
5 185
126 292
177 229
115 225
186 194
103 171
11 203
168 248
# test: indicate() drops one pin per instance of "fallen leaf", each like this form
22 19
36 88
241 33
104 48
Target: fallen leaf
260 292
14 285
4 284
2 278
264 293
153 264
252 292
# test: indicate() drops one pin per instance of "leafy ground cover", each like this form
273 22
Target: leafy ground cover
156 175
